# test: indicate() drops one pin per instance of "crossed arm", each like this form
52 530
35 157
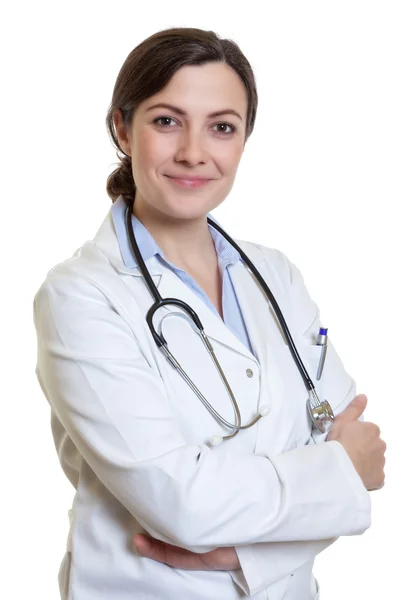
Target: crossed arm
223 559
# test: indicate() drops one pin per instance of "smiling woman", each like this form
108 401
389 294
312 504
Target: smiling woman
187 147
209 78
246 517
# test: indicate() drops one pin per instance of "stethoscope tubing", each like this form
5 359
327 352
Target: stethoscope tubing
159 301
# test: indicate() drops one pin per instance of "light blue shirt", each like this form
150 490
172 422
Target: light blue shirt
226 254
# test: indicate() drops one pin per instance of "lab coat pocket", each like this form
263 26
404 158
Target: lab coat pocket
335 385
311 356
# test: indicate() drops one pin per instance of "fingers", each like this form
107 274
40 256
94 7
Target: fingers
221 559
354 409
150 547
174 556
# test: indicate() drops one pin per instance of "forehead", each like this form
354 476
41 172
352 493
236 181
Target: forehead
203 88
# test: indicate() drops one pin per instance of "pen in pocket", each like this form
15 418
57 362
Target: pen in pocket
322 340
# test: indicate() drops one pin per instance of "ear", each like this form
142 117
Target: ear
122 132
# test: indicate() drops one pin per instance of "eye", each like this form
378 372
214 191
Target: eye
163 119
232 128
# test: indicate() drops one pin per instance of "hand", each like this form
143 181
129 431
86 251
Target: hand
362 442
221 559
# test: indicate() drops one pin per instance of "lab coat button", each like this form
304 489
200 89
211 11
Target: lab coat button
249 373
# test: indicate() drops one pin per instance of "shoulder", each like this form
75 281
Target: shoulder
83 275
83 297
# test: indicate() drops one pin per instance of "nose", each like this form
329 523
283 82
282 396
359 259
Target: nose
191 148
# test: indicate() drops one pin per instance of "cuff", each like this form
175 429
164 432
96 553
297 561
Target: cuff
247 577
267 564
320 480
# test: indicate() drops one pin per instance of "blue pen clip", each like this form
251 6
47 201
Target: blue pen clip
322 340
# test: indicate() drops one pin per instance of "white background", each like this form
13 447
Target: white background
327 177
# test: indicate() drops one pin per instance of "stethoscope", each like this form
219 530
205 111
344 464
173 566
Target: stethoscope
319 411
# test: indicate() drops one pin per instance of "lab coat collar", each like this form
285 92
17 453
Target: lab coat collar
170 286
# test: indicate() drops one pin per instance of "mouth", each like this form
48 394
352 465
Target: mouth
188 182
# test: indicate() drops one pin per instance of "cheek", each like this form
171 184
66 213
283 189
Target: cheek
152 149
228 157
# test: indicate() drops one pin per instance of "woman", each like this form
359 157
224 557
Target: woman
246 516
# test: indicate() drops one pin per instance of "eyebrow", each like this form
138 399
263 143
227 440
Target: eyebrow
179 111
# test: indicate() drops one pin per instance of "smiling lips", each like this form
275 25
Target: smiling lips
188 182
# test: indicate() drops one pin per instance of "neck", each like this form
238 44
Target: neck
185 243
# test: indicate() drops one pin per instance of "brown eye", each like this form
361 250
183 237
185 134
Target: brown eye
222 128
164 119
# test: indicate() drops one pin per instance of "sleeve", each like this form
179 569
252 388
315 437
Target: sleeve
264 564
115 409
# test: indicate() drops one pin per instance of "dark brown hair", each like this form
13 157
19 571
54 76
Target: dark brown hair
149 68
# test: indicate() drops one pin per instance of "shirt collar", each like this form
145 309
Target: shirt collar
147 245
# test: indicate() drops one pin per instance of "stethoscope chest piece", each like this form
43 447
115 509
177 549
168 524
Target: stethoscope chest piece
320 413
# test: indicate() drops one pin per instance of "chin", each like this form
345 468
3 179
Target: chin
187 209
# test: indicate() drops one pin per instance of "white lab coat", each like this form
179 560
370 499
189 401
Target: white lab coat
133 438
